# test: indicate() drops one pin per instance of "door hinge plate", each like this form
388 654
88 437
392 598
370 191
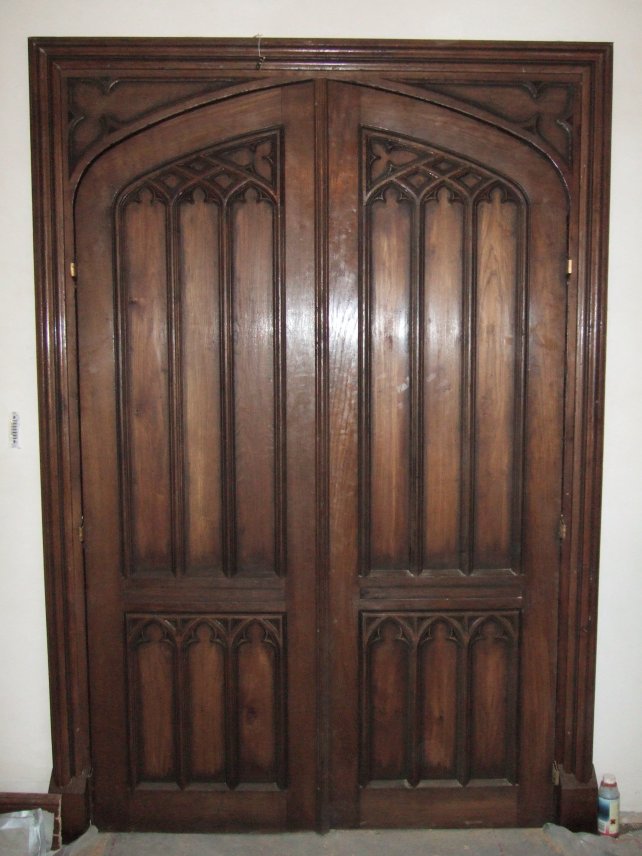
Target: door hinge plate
569 267
73 271
556 773
81 530
561 532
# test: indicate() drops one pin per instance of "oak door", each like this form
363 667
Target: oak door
197 382
222 593
447 319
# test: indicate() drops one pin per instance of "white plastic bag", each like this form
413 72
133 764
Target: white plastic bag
24 833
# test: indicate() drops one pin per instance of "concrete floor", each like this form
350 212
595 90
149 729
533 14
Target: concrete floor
549 841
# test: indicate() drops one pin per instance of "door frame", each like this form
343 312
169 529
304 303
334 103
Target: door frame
419 68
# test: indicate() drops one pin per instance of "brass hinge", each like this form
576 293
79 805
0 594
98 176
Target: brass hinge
561 532
556 773
73 270
81 529
569 267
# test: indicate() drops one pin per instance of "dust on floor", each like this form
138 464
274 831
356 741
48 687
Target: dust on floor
549 841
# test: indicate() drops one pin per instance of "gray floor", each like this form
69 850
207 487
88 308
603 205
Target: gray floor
550 841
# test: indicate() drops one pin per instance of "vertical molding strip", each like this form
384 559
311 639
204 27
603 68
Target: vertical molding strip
120 328
322 449
364 371
416 360
228 469
469 340
520 393
280 389
175 392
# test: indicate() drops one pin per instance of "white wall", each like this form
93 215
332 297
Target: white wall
25 753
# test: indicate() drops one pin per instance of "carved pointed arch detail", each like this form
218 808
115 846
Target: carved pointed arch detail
427 212
203 202
420 170
207 700
445 686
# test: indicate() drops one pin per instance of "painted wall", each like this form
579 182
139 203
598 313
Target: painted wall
25 752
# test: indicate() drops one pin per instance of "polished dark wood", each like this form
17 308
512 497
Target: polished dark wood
337 405
505 343
145 365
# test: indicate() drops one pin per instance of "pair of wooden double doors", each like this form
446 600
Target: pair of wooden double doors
321 337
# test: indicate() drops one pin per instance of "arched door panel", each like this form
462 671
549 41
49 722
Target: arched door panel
447 348
197 388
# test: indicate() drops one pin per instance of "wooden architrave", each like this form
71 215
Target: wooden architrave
424 69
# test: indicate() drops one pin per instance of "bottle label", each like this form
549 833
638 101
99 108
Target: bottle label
608 816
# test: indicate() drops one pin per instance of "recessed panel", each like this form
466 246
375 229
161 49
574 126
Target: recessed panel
497 358
442 362
389 342
206 692
439 677
200 330
254 382
199 221
256 677
492 702
207 700
388 685
443 355
439 697
154 704
145 365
